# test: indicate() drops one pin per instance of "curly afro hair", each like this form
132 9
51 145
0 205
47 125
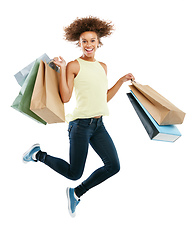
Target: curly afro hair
80 25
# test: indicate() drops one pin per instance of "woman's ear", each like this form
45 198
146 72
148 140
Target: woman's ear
99 43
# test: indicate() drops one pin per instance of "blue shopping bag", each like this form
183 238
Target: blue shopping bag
167 133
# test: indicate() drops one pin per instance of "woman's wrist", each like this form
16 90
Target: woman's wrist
63 68
121 81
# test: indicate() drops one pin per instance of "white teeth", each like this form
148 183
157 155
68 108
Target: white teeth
89 50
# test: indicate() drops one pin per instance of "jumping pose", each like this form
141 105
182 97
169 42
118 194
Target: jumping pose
89 79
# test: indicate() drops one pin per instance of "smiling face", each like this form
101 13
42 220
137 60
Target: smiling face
88 42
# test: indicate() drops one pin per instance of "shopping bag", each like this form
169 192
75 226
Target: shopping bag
23 100
22 74
162 110
46 101
169 133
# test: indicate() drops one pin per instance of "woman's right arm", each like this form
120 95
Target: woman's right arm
66 79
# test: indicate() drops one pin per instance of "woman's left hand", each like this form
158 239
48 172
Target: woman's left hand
127 77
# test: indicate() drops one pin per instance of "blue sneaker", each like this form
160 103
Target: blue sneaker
30 154
72 201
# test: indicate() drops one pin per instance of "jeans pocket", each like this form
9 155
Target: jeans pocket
69 128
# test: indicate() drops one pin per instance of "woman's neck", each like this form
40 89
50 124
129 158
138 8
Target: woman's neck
90 59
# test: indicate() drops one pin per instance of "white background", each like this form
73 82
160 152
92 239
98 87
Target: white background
150 198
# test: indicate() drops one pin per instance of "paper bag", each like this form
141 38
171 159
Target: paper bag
46 101
163 111
23 100
168 133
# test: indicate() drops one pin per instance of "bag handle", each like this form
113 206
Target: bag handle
133 81
53 65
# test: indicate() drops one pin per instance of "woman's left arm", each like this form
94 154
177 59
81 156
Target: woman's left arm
112 91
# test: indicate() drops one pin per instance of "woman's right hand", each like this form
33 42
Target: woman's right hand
60 62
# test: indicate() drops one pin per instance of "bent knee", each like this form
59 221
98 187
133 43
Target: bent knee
117 168
114 169
76 176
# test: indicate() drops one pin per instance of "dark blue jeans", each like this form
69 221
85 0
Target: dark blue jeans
83 132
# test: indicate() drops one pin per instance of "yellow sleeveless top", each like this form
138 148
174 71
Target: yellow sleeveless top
91 86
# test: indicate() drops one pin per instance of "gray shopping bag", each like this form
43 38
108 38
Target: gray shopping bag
22 74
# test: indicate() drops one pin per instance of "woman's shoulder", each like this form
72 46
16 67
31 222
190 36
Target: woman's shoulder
104 66
73 66
73 63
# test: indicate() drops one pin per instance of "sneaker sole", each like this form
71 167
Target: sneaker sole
35 145
69 204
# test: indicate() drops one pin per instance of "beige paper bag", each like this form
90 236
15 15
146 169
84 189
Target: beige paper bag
46 101
163 111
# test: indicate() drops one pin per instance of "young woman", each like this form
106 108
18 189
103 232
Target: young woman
89 79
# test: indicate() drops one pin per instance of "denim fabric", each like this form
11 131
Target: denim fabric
83 132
